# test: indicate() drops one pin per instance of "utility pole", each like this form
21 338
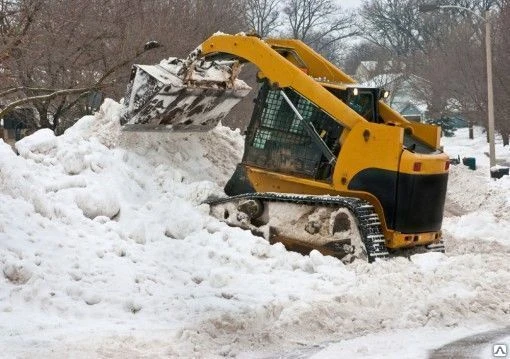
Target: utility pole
490 91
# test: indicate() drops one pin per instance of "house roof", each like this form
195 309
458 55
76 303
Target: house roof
382 80
400 85
369 65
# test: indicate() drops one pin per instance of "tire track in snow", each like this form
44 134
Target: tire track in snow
469 347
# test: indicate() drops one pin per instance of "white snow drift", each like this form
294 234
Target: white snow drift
106 250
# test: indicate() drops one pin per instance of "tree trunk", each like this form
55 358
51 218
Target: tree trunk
505 138
42 108
471 132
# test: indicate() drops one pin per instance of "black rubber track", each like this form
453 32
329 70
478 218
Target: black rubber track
369 224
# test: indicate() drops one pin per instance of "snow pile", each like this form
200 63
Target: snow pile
477 204
106 250
104 125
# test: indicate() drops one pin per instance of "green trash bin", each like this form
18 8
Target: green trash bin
470 162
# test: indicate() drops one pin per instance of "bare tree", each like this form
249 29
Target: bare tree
455 70
262 16
398 26
16 18
501 32
75 48
319 23
446 48
364 51
226 16
394 25
66 55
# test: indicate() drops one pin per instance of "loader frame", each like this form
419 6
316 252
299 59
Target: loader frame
381 161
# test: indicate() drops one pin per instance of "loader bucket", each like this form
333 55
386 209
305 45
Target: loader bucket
174 96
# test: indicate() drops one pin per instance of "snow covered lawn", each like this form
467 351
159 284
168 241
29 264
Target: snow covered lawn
106 251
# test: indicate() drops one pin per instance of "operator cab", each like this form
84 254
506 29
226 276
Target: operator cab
363 100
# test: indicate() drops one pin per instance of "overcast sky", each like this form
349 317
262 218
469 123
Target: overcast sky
349 3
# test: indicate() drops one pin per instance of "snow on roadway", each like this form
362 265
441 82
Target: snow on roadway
106 251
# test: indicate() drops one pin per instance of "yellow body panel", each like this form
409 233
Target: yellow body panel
400 240
428 164
427 133
316 65
368 145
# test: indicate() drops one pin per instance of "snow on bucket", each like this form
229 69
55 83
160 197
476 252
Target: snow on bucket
180 96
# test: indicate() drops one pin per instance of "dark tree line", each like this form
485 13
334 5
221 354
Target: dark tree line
447 49
58 55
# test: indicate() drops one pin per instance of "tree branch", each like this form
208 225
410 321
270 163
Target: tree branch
65 92
50 96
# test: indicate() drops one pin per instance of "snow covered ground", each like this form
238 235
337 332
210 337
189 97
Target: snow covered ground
106 251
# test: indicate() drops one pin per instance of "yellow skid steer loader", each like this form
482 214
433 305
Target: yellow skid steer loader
327 165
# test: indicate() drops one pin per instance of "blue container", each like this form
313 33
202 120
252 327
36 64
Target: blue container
470 162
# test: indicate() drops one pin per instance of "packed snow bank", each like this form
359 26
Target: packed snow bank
396 344
106 250
477 205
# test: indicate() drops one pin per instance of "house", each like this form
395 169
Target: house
408 94
365 70
404 93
